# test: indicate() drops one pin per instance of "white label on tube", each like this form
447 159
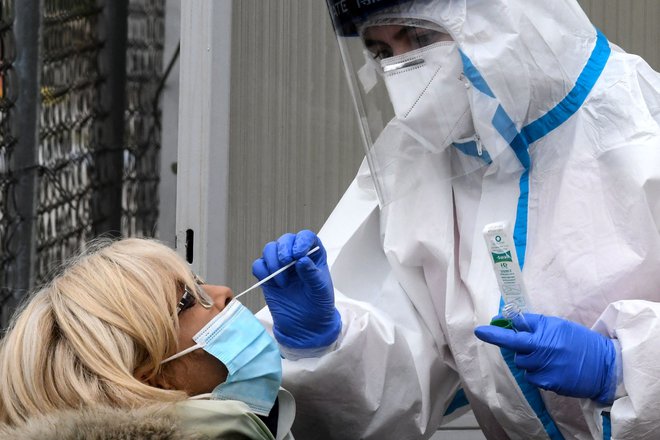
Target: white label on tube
505 263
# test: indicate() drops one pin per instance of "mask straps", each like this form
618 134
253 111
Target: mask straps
182 353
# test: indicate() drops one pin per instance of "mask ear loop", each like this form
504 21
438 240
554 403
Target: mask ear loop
181 353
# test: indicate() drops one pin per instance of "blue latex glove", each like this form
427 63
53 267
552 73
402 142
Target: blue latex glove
301 299
560 356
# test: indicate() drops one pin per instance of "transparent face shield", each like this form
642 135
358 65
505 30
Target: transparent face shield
406 77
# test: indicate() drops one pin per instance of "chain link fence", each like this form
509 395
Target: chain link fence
88 163
69 135
146 36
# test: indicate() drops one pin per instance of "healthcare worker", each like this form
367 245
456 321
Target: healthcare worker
476 112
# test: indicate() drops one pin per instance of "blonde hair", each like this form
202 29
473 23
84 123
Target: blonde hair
82 339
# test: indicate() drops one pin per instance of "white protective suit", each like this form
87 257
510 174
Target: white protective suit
575 124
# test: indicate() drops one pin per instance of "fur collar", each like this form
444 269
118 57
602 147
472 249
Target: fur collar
157 422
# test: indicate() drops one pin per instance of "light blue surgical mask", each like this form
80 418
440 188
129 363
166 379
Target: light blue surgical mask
237 339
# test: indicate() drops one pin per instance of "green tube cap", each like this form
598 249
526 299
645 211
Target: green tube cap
504 323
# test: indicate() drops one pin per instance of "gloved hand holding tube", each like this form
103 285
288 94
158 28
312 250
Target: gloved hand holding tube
556 354
560 356
301 299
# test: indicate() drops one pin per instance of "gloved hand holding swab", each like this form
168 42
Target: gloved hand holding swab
301 301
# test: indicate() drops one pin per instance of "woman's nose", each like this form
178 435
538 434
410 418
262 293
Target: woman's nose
221 295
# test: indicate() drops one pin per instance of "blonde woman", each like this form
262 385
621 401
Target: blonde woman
122 339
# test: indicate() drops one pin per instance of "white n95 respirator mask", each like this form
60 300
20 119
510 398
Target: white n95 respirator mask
237 339
428 95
